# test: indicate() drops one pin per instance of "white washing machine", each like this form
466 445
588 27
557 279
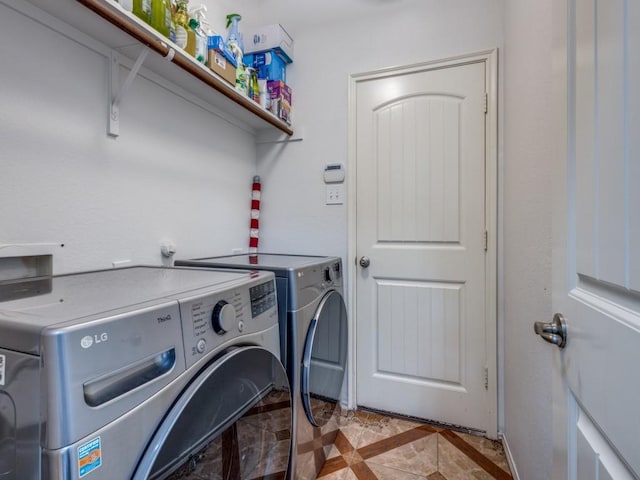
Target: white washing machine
314 317
143 373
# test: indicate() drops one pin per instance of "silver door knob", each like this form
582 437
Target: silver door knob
364 262
553 332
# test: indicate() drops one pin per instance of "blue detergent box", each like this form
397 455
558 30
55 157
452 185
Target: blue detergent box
268 64
217 43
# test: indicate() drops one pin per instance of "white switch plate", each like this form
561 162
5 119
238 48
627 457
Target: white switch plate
335 194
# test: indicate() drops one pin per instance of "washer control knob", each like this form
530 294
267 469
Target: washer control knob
329 275
223 318
201 345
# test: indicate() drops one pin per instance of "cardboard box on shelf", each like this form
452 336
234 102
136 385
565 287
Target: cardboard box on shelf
269 37
221 65
281 100
268 64
221 60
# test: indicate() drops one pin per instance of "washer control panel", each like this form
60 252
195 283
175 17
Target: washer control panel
263 297
212 319
332 273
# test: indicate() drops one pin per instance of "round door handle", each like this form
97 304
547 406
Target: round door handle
364 262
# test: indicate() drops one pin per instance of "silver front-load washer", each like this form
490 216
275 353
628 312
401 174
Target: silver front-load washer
314 318
144 372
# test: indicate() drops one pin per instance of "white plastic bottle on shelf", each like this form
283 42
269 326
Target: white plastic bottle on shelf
126 4
265 99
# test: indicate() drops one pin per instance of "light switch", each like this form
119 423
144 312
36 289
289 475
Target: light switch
335 194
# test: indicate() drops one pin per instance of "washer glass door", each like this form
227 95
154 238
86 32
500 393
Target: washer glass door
233 421
324 359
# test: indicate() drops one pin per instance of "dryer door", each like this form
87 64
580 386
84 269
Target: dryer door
325 358
233 421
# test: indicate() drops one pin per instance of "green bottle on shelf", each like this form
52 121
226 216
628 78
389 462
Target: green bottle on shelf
161 16
254 86
142 10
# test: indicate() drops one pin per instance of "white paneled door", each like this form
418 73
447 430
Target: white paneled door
420 242
596 261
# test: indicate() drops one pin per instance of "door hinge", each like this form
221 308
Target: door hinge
486 378
486 240
486 102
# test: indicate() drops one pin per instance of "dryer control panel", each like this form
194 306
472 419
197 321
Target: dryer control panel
263 297
212 320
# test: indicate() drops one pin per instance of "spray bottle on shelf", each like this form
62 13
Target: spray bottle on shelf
200 47
197 16
234 39
234 44
207 31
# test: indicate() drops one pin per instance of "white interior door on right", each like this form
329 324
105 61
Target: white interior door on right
596 263
421 281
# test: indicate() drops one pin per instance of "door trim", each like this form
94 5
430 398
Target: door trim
563 102
490 58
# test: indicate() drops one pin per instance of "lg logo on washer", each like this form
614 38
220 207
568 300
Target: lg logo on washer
88 340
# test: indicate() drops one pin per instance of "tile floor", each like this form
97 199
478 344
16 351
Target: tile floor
370 446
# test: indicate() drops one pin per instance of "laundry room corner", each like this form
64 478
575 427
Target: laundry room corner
350 262
293 198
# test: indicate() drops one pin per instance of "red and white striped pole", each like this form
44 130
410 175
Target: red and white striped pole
255 220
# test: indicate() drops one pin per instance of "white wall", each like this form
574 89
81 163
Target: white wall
527 233
177 171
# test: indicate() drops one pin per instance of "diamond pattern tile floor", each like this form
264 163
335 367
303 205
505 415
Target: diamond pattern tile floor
370 446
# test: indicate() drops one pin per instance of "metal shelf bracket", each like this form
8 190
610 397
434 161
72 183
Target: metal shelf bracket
267 138
287 140
117 92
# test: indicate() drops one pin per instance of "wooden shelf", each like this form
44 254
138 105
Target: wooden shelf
124 32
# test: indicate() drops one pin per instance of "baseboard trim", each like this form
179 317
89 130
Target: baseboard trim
507 452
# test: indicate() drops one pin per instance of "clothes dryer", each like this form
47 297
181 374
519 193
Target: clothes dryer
144 373
314 316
